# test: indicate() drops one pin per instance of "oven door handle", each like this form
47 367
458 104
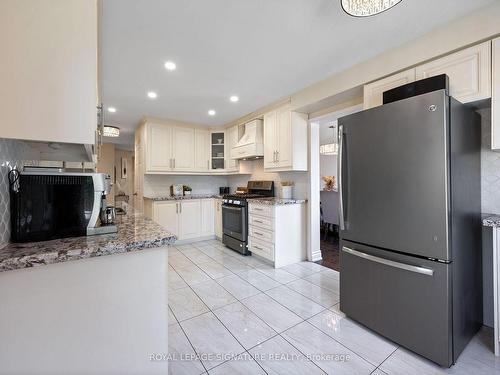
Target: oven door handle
234 208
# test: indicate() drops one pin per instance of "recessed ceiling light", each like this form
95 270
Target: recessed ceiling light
112 109
152 95
170 65
234 98
211 112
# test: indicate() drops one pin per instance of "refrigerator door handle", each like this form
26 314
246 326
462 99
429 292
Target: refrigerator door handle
387 262
340 187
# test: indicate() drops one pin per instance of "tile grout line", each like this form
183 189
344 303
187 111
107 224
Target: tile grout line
227 329
355 352
240 301
390 355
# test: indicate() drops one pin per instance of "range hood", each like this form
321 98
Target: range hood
251 145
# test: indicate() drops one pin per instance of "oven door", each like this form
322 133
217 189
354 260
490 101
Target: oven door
234 221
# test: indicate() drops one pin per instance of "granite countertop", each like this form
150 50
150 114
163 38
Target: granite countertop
178 198
491 220
276 201
135 232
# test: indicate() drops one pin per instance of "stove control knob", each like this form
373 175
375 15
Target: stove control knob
236 202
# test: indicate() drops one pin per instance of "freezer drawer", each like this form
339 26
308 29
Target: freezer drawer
405 299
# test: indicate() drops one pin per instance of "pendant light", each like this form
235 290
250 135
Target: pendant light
110 131
366 8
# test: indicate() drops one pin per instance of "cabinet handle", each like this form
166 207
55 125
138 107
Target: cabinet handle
258 221
258 209
259 248
180 206
177 208
174 163
208 164
277 156
258 233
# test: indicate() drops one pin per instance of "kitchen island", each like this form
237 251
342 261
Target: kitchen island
90 305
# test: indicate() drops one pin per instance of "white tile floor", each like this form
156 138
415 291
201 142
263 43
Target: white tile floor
241 316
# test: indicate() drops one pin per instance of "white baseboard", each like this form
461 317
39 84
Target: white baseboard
316 256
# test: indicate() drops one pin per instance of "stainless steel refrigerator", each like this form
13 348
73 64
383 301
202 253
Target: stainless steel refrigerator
410 259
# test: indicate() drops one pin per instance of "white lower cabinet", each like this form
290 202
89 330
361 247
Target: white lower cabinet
218 218
166 214
188 219
278 232
207 217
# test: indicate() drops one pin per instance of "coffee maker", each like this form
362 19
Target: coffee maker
105 222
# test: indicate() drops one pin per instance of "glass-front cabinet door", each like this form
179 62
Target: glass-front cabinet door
217 150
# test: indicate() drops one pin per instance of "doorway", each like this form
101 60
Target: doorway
324 145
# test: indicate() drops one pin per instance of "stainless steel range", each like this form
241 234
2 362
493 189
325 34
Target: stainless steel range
235 214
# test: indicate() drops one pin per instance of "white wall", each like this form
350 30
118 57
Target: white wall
124 185
159 185
327 167
300 179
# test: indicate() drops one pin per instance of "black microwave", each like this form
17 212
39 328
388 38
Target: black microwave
51 205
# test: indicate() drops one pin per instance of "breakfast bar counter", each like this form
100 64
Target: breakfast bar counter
101 314
135 232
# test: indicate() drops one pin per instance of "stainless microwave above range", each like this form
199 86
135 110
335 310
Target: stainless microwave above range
235 214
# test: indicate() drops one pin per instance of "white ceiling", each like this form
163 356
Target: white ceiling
260 50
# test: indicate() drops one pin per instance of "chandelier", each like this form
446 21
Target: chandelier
110 131
366 8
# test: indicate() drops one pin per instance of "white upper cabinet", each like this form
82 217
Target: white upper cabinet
170 148
159 150
373 92
270 139
202 149
495 97
232 137
48 71
285 140
469 71
183 149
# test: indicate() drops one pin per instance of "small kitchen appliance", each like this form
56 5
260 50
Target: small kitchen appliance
223 190
177 190
235 214
49 204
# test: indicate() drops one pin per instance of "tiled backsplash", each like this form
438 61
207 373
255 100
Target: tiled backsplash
12 153
300 179
159 185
